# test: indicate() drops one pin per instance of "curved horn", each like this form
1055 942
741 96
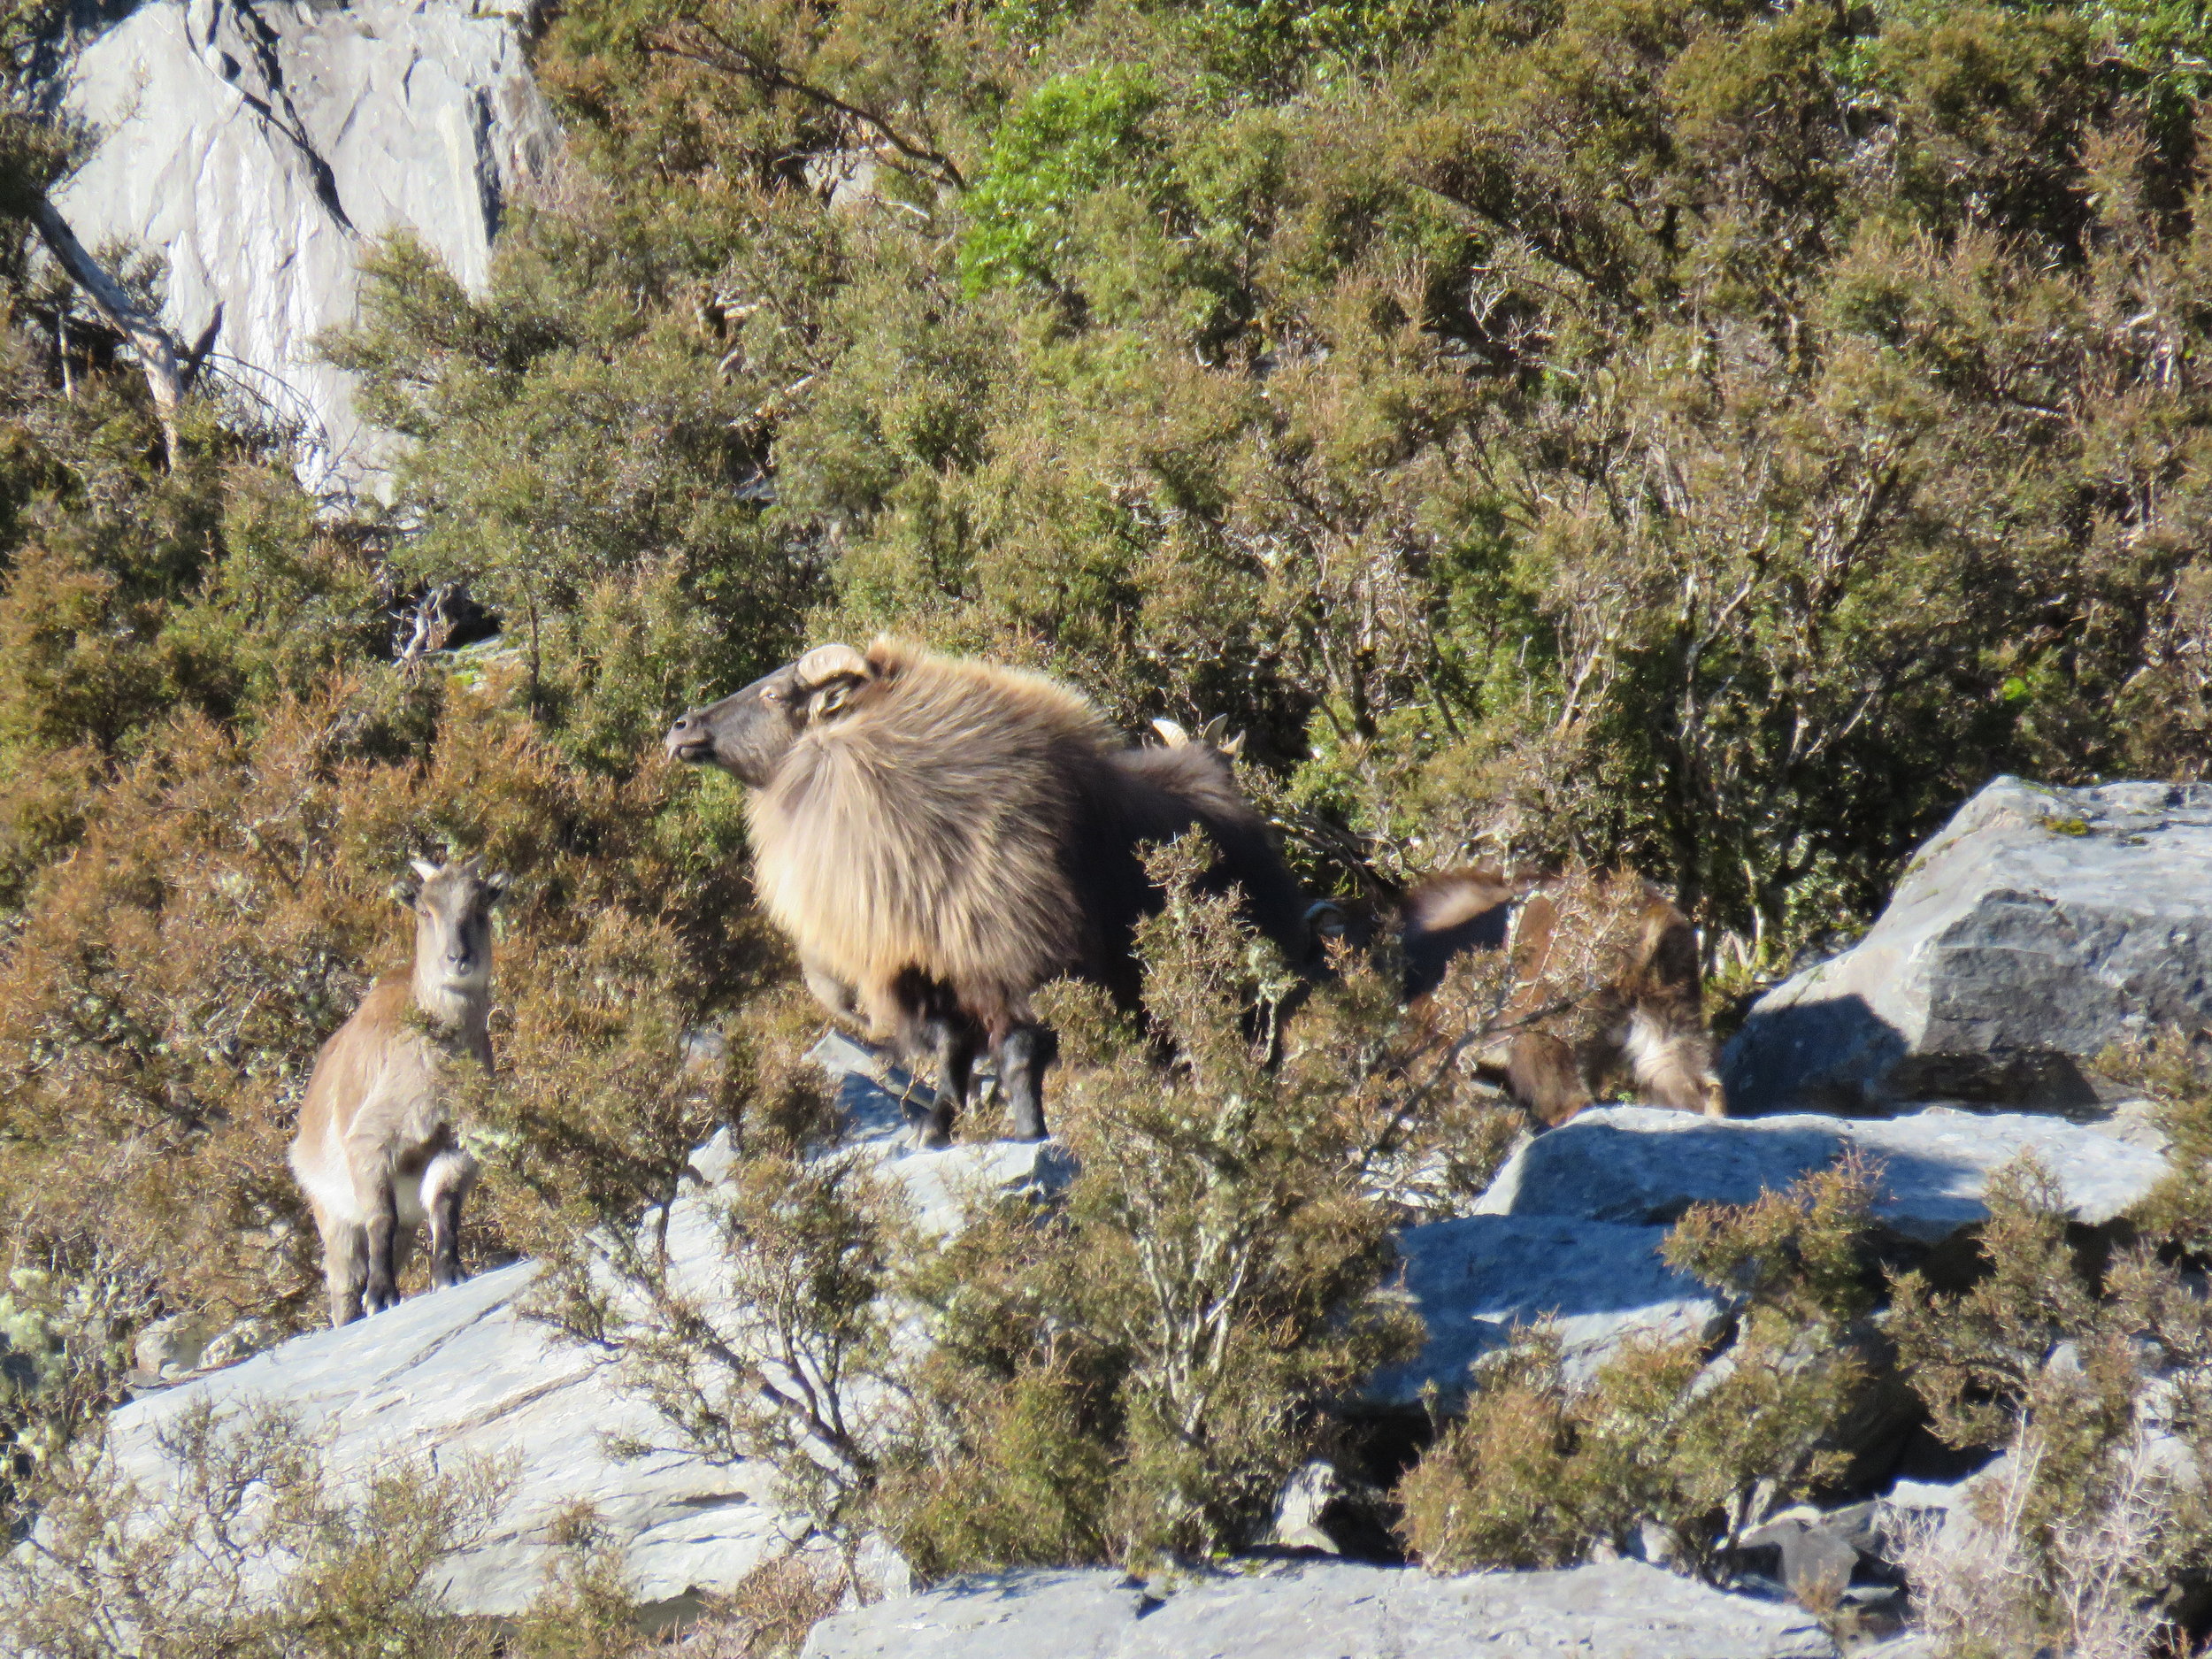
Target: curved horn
826 663
1171 734
423 867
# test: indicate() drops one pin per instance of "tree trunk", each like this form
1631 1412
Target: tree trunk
169 368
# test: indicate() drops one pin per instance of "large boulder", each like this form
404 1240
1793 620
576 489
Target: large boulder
1621 1610
258 147
2039 927
1473 1279
1641 1166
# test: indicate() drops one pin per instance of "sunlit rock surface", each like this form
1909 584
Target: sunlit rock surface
1620 1610
2039 927
258 147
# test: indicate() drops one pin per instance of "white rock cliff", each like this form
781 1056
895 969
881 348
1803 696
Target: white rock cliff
259 148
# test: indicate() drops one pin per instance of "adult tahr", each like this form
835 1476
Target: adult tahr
939 838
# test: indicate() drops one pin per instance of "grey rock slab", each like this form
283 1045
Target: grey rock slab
257 148
1819 1550
2038 927
1473 1279
1324 1610
463 1374
940 1185
1640 1165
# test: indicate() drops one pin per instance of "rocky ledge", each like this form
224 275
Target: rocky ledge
1572 1235
1621 1610
2040 926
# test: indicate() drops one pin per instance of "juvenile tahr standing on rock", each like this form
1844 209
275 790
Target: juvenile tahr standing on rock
939 838
378 1152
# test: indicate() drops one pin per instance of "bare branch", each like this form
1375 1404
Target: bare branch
169 370
721 52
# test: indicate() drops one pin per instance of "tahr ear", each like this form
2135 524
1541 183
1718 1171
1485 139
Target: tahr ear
498 883
831 699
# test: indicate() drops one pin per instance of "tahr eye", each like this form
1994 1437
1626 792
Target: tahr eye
772 696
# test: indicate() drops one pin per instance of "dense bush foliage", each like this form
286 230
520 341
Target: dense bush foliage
1703 436
1719 435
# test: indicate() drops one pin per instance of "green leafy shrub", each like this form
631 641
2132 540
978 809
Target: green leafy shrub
1073 136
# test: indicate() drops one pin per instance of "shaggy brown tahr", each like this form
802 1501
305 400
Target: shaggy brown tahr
377 1151
1636 988
939 838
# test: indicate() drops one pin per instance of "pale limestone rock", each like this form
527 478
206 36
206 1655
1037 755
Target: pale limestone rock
1598 1283
1643 1166
258 147
1325 1610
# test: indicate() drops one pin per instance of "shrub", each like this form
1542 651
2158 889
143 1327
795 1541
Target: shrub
2092 1374
2174 1073
249 1550
1978 1589
1540 1470
1136 1375
67 1313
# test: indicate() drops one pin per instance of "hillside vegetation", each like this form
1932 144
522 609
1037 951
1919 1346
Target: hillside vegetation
1713 438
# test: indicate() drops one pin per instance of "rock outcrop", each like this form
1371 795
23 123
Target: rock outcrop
465 1373
1621 1610
258 147
2039 927
1642 1167
1570 1232
1473 1279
